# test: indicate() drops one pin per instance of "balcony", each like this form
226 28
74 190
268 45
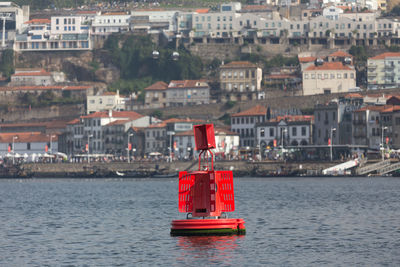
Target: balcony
372 74
389 66
371 66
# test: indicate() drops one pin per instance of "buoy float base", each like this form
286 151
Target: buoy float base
202 227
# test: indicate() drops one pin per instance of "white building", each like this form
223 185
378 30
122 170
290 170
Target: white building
111 22
27 145
286 131
93 126
328 77
12 17
31 77
105 101
57 34
155 19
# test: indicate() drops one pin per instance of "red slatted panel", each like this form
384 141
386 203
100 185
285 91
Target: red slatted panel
225 190
212 191
186 182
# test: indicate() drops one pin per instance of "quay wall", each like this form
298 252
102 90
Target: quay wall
240 168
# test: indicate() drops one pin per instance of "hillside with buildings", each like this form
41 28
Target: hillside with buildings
123 81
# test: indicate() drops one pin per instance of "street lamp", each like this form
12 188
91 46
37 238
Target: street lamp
332 129
13 149
51 143
382 144
282 136
88 148
127 149
170 133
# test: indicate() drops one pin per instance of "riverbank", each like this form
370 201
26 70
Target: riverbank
161 169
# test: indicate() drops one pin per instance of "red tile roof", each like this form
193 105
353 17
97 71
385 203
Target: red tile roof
353 95
202 10
157 86
38 21
158 125
25 137
329 66
340 54
373 108
42 88
132 115
33 73
254 111
307 59
239 64
385 55
74 121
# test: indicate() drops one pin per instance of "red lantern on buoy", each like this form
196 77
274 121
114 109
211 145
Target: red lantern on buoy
206 195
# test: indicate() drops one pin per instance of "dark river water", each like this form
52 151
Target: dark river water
289 221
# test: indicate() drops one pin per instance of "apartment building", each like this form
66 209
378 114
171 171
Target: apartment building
105 101
156 139
240 80
384 71
12 18
187 92
56 34
243 123
110 22
334 121
328 77
285 131
156 95
367 129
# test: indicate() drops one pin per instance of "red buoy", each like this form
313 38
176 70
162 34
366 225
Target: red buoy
206 195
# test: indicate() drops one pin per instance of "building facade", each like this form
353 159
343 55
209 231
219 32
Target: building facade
243 123
327 78
384 71
240 80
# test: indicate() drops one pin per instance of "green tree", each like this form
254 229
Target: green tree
7 62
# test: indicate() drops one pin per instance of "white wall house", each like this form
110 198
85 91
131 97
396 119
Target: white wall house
105 101
27 144
31 77
108 23
330 77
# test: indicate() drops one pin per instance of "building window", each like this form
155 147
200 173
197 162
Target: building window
271 132
262 132
28 146
294 131
303 131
